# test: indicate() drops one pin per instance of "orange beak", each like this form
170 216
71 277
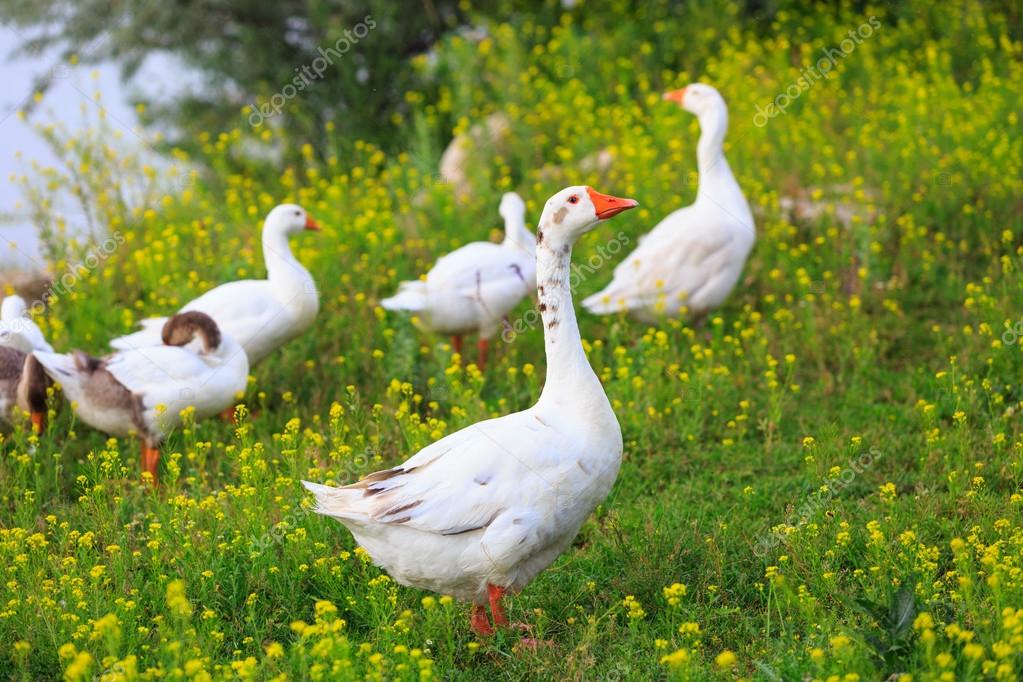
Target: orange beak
675 96
311 224
607 206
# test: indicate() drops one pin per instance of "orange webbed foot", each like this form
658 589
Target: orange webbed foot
479 621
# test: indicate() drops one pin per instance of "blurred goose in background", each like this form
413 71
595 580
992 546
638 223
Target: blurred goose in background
473 288
17 330
23 385
482 511
475 147
261 315
692 259
143 391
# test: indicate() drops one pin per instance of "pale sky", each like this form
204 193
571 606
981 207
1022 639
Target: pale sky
63 103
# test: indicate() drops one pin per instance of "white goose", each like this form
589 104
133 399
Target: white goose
261 315
474 287
693 258
17 330
143 391
484 510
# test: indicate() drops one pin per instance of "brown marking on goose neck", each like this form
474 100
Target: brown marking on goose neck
183 327
543 307
539 236
559 215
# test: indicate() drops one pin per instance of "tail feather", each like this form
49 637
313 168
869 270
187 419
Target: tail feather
67 370
410 296
59 366
336 502
148 335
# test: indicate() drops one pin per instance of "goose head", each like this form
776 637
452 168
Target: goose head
698 99
512 206
289 219
184 328
13 308
576 210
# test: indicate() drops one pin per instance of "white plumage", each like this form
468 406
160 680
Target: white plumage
692 259
261 315
17 330
485 509
143 391
474 287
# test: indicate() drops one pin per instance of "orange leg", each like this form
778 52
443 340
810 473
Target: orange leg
227 415
482 347
495 594
38 422
479 621
456 343
151 461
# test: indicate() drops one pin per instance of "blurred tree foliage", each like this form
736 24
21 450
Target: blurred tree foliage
244 52
272 55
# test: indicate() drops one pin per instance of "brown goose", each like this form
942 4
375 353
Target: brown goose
143 391
23 385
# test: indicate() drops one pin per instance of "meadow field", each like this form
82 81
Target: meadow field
822 482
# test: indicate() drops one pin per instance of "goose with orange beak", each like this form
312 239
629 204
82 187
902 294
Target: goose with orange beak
690 262
261 315
482 511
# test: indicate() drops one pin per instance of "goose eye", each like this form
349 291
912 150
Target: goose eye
574 199
298 213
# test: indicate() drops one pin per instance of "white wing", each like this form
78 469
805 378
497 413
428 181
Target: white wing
462 482
497 275
679 256
148 371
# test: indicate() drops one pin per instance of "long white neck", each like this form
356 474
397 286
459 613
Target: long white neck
517 236
12 308
570 379
718 187
710 155
291 282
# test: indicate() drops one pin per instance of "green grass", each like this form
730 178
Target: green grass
883 336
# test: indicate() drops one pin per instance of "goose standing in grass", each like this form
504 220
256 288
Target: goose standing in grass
482 511
143 391
17 330
23 385
691 261
473 288
261 315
